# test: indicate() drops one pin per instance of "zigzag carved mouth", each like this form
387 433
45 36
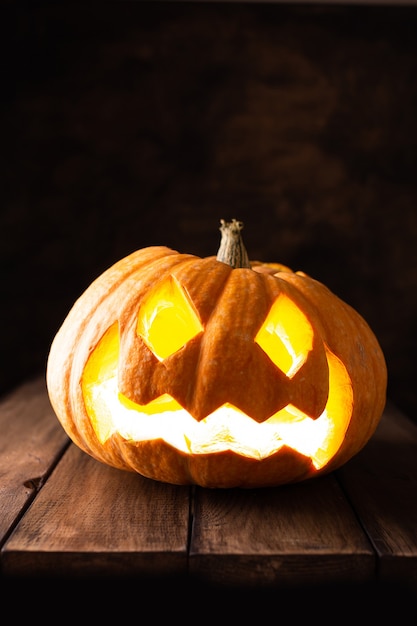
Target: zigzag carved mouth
227 428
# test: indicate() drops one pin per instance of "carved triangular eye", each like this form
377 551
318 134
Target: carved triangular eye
286 336
167 319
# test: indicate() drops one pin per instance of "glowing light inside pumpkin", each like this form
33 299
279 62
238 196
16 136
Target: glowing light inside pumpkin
227 428
286 336
167 319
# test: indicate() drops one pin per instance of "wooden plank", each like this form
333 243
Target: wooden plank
85 518
299 534
31 442
93 520
381 482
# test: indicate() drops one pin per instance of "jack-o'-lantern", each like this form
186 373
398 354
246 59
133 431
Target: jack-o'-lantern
215 371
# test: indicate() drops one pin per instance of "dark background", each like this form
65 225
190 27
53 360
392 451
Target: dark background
128 124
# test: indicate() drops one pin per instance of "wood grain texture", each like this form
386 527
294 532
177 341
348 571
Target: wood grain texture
381 482
304 533
31 442
354 527
90 518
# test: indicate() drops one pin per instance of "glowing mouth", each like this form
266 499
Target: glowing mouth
227 428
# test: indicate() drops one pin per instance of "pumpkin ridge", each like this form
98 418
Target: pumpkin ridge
256 350
72 344
155 379
232 324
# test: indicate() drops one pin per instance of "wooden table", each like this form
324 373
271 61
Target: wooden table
63 514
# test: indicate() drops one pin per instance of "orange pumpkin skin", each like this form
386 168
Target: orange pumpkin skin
221 365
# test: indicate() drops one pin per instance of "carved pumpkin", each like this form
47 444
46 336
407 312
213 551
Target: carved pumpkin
215 371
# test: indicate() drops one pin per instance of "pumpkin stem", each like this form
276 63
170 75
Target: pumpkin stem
232 250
